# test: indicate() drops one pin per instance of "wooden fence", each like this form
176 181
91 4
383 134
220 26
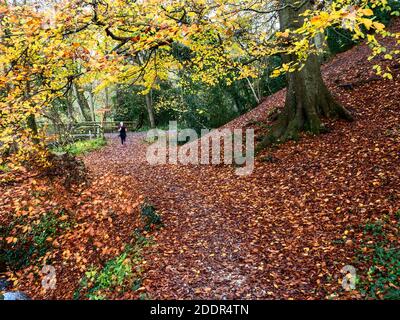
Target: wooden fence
84 130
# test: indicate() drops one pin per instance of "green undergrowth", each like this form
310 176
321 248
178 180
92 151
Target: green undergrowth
82 147
118 275
379 259
26 239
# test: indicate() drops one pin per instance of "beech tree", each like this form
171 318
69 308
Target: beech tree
307 97
53 45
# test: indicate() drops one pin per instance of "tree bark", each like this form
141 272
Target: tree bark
31 122
307 98
92 106
150 109
83 103
69 100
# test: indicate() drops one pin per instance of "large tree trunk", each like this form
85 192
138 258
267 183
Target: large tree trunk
307 97
83 103
150 109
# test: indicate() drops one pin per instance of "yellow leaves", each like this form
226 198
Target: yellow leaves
371 38
275 73
66 254
367 12
284 34
214 41
388 76
285 67
191 14
321 20
25 229
378 26
367 23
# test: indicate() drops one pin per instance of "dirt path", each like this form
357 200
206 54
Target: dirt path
279 233
202 233
286 230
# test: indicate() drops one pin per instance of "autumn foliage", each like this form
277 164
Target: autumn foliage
115 227
43 50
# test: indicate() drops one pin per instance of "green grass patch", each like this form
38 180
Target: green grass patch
117 276
82 147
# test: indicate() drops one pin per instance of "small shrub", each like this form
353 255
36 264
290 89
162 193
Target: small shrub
381 276
118 275
4 168
150 216
376 228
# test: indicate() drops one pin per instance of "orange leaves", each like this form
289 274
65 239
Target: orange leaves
135 39
98 244
3 9
378 26
315 19
11 240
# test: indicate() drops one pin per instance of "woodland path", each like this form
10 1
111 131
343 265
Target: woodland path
284 231
288 229
202 251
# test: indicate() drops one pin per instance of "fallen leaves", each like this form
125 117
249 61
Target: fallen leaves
283 232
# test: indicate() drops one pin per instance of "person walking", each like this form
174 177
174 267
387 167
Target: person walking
122 132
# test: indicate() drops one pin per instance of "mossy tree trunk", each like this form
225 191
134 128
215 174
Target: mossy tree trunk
307 98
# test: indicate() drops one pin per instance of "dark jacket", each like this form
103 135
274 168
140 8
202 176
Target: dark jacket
122 131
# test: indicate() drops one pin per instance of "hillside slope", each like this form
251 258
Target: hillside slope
286 230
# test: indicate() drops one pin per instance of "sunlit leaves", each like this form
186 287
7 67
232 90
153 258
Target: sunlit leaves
134 42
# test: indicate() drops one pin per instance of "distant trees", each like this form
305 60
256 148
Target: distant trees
60 46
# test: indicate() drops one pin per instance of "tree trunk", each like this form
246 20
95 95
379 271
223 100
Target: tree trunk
69 100
83 103
321 44
307 97
31 119
92 106
31 122
253 90
150 109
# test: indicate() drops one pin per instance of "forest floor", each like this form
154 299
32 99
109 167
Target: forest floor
285 231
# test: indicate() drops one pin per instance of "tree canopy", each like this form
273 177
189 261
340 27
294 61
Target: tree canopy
47 45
